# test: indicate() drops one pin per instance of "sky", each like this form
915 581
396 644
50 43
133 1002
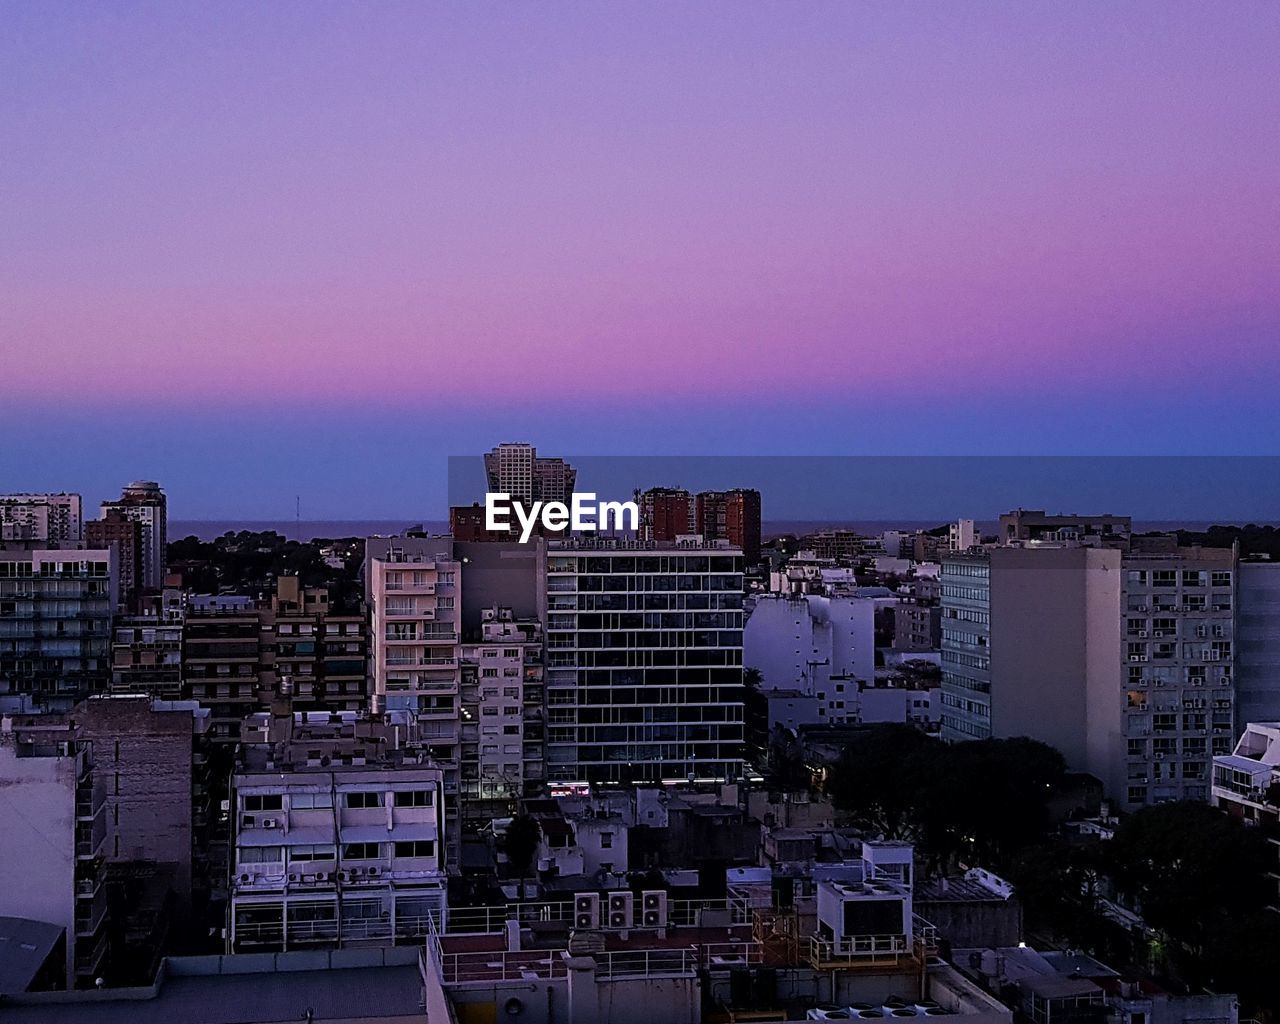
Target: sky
310 250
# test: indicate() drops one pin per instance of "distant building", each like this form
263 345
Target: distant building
1037 525
144 502
666 513
125 534
821 646
517 469
733 516
41 518
227 660
338 834
320 652
961 535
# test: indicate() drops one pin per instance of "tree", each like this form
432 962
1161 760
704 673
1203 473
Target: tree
520 844
879 778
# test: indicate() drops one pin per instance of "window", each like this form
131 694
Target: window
1221 579
606 840
415 798
262 855
362 851
355 800
310 801
307 853
417 848
263 802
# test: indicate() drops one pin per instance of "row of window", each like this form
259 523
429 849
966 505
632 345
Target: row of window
254 802
350 852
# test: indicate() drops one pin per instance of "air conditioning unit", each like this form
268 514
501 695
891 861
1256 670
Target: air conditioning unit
653 908
372 872
269 823
248 821
1143 634
295 878
322 876
586 911
621 910
342 876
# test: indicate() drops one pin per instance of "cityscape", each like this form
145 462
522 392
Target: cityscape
1026 770
639 512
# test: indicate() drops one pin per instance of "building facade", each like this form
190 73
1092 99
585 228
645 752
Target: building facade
41 518
644 661
144 502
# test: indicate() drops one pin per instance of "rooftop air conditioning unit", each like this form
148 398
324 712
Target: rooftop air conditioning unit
586 911
653 908
621 910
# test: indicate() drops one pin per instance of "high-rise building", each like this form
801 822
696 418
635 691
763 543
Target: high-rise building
338 833
41 518
55 623
1257 664
227 660
733 516
666 513
1119 656
144 502
503 722
320 650
644 661
517 469
125 534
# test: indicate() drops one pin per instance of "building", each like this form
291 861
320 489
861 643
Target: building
517 469
125 534
666 514
319 650
1036 525
144 502
1120 657
53 842
822 646
502 756
338 833
156 799
1257 663
961 535
733 516
827 948
227 661
51 519
644 661
146 648
55 624
917 618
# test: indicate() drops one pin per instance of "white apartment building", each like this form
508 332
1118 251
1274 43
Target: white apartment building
53 837
824 647
644 660
502 756
338 835
41 518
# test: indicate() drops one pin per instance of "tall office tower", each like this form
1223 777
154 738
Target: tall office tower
1257 643
53 842
733 516
644 661
41 518
1179 609
144 502
117 529
55 624
517 469
227 660
502 754
320 650
1119 658
337 834
666 513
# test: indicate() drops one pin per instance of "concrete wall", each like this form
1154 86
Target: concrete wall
37 840
500 574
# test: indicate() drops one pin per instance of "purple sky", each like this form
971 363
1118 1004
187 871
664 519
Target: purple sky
324 245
